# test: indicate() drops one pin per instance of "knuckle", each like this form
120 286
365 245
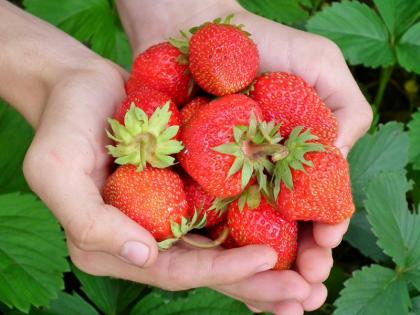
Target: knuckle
82 230
86 262
331 49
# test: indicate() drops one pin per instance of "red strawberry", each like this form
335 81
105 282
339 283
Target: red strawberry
199 200
204 136
161 67
215 231
153 198
190 108
148 100
322 193
264 225
288 99
223 59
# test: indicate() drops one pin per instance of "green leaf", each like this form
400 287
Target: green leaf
398 230
284 11
91 21
32 252
408 49
201 301
383 151
414 138
111 296
67 304
372 289
415 302
360 236
357 30
15 138
398 14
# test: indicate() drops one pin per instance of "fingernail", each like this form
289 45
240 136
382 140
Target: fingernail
135 253
264 267
345 151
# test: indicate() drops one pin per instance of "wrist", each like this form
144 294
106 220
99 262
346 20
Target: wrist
148 22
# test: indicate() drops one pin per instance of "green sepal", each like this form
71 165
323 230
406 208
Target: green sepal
297 145
143 140
180 229
220 205
251 197
182 45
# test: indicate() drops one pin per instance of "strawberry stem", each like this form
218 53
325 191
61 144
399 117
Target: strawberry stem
218 241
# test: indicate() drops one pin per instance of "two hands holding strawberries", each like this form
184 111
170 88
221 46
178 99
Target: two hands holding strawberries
67 164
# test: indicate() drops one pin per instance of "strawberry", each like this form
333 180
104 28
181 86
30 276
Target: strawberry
148 100
162 68
215 231
154 198
288 99
264 225
147 132
203 202
221 140
191 108
223 59
322 193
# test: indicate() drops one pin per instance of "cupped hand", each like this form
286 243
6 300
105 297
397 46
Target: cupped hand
67 165
318 61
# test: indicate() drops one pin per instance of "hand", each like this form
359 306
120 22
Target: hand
317 60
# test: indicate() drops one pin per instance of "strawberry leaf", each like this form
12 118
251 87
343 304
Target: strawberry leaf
111 296
32 252
408 49
94 22
14 145
357 30
414 136
371 289
67 304
397 229
201 301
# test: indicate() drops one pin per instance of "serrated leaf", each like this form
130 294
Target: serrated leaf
201 301
383 151
284 11
32 252
90 21
67 304
357 30
408 49
373 289
398 15
15 137
398 230
111 296
414 138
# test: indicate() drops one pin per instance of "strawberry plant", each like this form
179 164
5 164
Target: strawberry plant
377 267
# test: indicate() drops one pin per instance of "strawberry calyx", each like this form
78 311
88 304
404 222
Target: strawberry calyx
143 140
220 205
252 146
293 157
179 230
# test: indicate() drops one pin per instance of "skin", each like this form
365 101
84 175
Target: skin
66 92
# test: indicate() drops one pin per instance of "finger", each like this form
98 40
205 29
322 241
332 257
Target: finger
268 287
289 308
313 262
254 309
317 298
329 235
78 205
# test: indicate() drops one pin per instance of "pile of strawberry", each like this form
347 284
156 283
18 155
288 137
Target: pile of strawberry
256 153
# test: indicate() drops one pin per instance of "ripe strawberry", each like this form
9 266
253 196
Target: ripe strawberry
203 202
322 193
264 225
161 67
223 59
148 100
190 108
154 198
288 99
215 231
216 149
